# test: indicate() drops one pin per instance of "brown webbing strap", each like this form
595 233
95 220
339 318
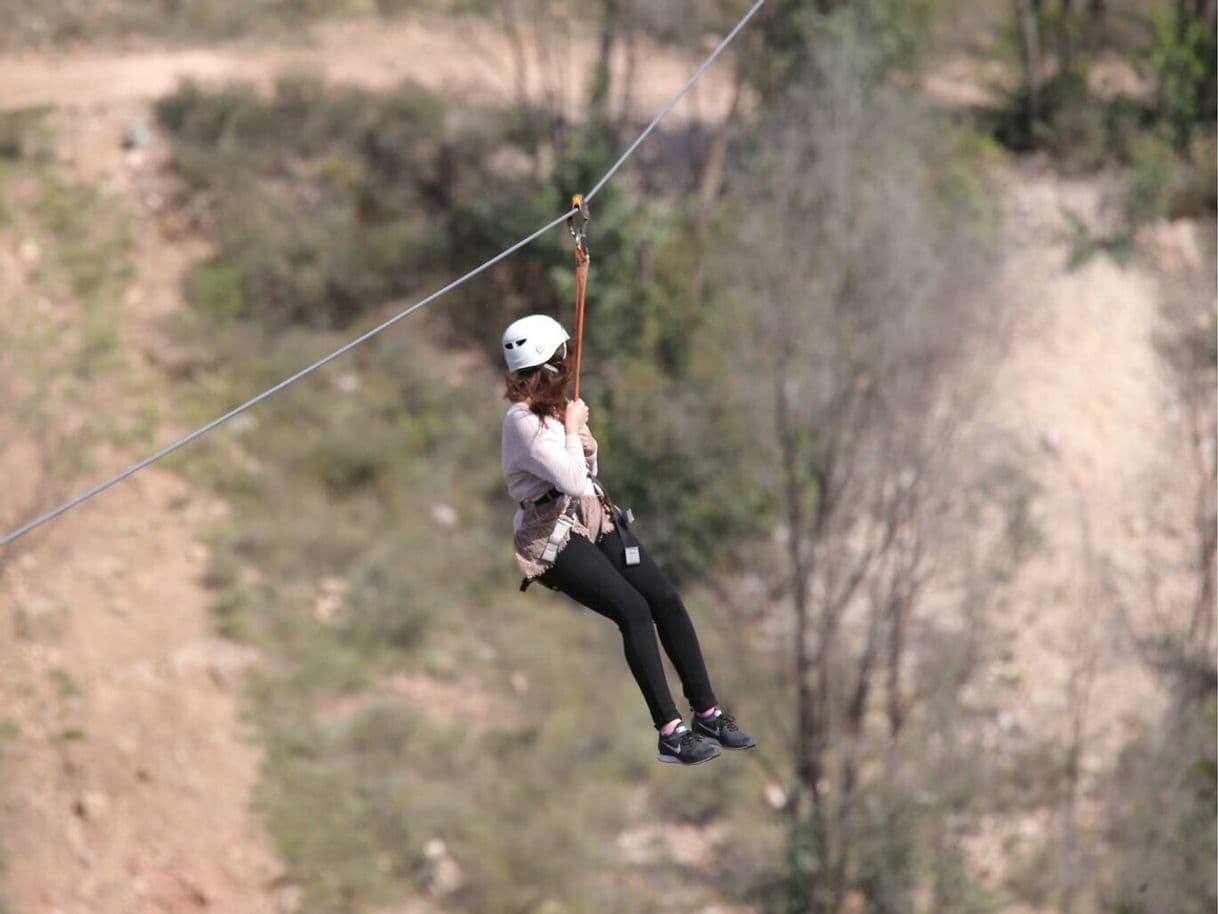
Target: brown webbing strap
581 285
582 259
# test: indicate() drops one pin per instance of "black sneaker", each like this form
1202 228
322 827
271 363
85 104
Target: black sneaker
721 727
686 747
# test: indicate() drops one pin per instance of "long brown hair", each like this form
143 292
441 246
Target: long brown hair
544 391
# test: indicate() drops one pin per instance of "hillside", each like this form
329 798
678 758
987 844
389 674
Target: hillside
141 732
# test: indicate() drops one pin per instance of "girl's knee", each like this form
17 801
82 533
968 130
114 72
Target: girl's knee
667 602
634 613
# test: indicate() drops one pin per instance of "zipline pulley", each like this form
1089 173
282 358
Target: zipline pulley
580 234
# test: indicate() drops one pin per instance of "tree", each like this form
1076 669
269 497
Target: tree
861 248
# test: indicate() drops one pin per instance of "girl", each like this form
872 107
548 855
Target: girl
568 537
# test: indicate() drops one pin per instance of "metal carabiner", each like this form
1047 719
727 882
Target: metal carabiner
580 234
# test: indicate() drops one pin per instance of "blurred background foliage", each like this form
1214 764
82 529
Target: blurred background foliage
761 391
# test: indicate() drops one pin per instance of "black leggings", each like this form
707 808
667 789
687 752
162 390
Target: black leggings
640 600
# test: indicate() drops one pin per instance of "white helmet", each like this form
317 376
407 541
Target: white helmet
531 341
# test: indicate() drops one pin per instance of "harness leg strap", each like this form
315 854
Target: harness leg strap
561 527
622 519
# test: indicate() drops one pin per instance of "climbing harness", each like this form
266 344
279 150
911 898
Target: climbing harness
552 495
253 401
622 519
579 206
562 526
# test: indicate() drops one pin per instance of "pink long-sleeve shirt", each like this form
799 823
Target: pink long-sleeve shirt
539 455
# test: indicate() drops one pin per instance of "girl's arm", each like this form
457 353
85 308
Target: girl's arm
553 455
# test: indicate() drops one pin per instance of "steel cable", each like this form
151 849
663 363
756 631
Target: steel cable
248 404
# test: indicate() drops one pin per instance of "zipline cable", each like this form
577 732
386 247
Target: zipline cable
676 98
248 404
198 433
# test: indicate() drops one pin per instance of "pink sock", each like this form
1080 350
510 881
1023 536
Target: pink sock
670 726
708 712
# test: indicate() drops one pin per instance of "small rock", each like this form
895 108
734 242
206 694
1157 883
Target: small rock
244 423
1174 245
520 683
91 805
327 607
30 251
137 135
445 877
444 515
443 872
335 585
775 795
485 652
76 836
143 672
224 662
639 846
291 897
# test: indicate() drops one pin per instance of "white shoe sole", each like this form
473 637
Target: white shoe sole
712 739
730 748
673 760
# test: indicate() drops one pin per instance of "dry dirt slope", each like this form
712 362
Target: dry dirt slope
1086 409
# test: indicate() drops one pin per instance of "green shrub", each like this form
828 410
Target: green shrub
1149 181
92 243
1196 192
215 287
320 196
1182 60
25 134
389 603
1075 126
65 683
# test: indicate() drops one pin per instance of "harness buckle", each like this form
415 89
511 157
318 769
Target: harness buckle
561 527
